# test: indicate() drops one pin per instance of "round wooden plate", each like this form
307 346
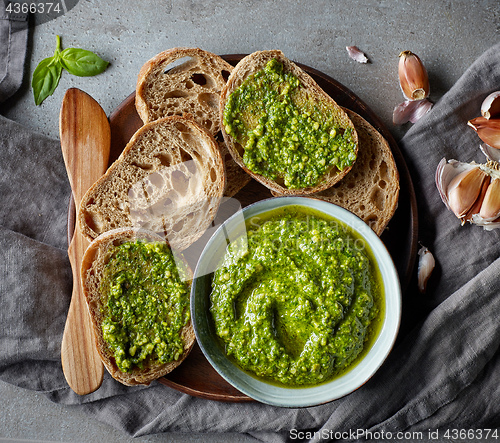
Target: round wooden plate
196 376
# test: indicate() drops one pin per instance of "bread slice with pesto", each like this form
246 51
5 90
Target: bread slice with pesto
182 81
371 189
169 179
282 128
137 294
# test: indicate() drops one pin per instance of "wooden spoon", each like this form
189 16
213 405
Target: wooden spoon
85 141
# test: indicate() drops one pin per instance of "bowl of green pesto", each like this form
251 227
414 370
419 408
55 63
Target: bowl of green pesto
295 301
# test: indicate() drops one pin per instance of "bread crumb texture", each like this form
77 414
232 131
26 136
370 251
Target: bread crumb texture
169 179
188 81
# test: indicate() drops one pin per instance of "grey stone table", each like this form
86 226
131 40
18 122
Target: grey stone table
447 35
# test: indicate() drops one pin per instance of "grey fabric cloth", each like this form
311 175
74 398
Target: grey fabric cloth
13 42
443 373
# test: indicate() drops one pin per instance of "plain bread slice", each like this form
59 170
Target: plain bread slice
169 179
182 81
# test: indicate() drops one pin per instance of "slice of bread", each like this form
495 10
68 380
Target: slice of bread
94 261
169 179
183 81
309 93
371 189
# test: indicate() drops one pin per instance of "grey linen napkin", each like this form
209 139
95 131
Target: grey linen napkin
443 373
13 40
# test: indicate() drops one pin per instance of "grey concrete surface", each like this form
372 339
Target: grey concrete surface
447 35
29 416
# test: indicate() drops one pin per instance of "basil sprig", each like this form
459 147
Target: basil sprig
76 61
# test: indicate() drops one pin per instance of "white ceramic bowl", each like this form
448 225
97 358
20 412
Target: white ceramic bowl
270 393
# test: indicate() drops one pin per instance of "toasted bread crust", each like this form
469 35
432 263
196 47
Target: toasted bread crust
94 261
191 88
248 66
179 154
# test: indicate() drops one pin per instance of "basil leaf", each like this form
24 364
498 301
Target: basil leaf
76 61
45 78
82 62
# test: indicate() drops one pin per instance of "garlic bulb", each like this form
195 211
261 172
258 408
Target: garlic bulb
413 77
426 263
471 191
490 108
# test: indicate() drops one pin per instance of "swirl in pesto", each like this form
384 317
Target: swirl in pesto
302 301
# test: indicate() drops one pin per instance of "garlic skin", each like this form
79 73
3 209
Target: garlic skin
490 108
413 77
488 130
410 111
491 154
471 191
426 264
356 54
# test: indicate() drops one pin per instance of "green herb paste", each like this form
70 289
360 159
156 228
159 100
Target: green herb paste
298 299
146 304
287 136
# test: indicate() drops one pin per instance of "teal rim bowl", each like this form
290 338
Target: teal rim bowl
254 387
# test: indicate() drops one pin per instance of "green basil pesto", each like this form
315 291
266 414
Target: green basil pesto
299 300
287 136
145 306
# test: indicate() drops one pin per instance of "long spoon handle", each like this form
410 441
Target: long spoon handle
81 363
85 141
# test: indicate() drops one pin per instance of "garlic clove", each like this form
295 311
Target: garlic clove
490 208
476 207
410 111
356 54
446 180
413 77
426 264
464 190
488 130
490 108
445 172
442 173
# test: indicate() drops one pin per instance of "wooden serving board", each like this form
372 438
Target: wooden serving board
196 376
